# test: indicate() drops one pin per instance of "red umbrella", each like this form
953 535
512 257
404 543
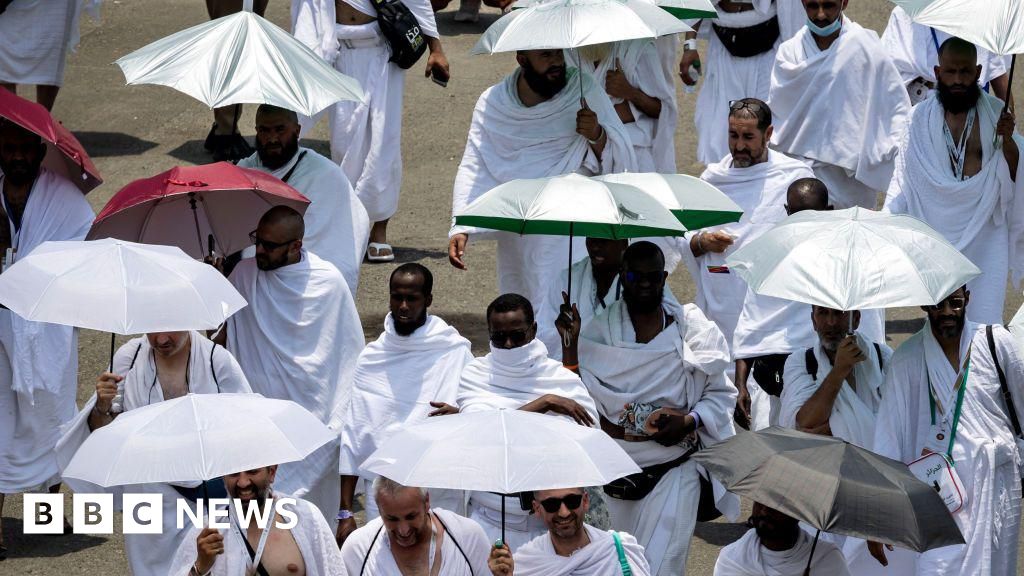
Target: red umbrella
64 153
222 201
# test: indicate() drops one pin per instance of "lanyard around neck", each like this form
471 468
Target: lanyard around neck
263 537
961 386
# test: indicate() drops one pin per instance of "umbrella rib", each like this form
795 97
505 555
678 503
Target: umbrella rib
202 446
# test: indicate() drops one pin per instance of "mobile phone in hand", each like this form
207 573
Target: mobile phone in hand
440 77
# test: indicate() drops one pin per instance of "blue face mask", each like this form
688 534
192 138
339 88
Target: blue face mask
827 30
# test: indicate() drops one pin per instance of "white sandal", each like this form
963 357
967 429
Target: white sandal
379 247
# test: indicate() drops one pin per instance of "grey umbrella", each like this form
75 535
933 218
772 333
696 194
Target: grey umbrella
834 486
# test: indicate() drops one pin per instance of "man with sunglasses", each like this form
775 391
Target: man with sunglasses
298 339
570 547
657 371
414 364
336 223
955 388
839 103
518 375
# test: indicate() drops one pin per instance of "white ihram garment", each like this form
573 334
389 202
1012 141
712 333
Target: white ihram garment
597 558
985 451
298 339
852 142
38 361
508 140
747 557
990 232
37 36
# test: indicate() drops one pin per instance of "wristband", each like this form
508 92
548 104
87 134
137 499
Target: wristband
196 572
572 367
599 136
700 245
690 44
345 514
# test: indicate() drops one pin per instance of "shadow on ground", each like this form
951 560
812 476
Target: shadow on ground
44 545
112 144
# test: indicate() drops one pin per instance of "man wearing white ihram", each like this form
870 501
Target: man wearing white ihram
298 339
532 125
839 103
150 369
954 174
366 136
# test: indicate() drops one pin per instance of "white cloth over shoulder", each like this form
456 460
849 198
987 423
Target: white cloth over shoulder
38 361
598 558
211 370
508 140
584 295
747 557
853 414
312 535
991 232
760 191
337 226
653 138
509 379
858 133
914 49
370 544
37 36
985 451
298 339
313 21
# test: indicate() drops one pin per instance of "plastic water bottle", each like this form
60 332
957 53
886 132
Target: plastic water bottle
694 74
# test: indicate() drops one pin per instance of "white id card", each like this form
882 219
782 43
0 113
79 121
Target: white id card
936 471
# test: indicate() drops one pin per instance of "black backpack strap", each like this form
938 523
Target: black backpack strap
1007 397
812 364
212 369
878 352
134 357
370 549
456 542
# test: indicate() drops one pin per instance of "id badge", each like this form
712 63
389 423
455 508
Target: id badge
938 439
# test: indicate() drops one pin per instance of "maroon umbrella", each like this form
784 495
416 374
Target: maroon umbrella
219 202
64 153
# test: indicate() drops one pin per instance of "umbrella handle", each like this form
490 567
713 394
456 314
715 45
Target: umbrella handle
247 5
807 571
503 518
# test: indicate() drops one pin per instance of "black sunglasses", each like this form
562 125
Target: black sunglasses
654 276
267 244
552 505
518 337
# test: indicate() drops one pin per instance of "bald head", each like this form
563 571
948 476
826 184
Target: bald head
286 219
269 110
954 46
279 238
21 153
807 194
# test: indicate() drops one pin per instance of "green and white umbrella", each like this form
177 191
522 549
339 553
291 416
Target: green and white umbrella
694 202
681 9
571 205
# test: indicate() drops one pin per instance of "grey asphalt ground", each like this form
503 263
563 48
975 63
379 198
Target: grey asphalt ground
135 132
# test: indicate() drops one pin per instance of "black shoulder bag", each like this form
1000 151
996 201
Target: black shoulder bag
401 31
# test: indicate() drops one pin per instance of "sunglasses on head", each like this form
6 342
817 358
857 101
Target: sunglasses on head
754 107
955 303
654 276
518 337
552 505
267 244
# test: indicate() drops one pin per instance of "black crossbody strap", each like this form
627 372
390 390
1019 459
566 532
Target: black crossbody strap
294 166
456 542
812 363
1007 397
370 549
878 352
212 369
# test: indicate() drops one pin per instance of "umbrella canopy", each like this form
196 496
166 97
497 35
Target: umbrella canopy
197 437
681 9
995 25
64 153
241 59
695 203
571 205
1016 327
502 451
119 287
833 486
219 199
574 23
853 259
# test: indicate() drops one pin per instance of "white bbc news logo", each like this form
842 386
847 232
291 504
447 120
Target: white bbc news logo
144 513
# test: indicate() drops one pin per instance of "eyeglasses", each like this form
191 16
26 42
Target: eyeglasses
553 505
754 107
267 244
653 277
518 337
955 303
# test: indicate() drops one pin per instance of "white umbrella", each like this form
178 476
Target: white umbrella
682 9
695 203
119 287
502 451
995 25
575 23
853 259
197 437
241 59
